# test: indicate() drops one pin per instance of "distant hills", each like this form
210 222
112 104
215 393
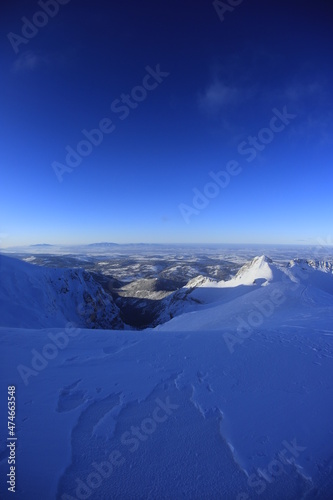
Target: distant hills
103 244
42 245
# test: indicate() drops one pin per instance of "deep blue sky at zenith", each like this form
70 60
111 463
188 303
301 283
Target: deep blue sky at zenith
225 78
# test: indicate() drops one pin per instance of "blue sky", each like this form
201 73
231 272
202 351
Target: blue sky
197 92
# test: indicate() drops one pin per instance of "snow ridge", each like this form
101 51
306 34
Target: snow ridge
49 297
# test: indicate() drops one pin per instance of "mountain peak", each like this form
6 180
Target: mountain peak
261 259
259 268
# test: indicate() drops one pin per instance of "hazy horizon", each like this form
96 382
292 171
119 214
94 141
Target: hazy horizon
318 243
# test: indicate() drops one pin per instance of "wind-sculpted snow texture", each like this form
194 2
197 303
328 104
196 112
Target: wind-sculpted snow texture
216 403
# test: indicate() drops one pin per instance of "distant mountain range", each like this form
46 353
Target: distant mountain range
102 244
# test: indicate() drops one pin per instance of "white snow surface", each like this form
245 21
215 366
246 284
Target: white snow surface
40 297
261 289
231 401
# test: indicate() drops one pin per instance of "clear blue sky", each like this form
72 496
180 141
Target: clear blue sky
225 78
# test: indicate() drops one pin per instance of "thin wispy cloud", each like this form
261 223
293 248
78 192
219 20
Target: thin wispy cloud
217 96
222 103
28 61
309 100
299 91
315 128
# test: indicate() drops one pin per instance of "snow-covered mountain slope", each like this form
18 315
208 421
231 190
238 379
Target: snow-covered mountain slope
238 406
260 291
40 297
